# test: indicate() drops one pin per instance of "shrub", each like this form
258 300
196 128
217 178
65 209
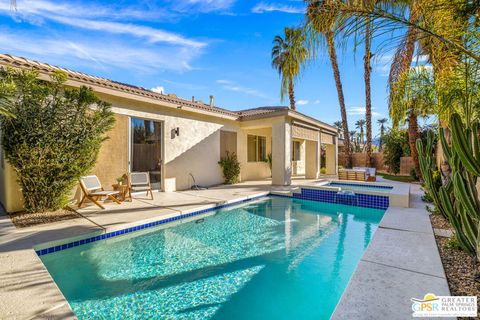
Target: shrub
395 146
230 167
323 170
54 136
413 174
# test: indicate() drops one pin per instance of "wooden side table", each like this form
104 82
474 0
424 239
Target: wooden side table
122 188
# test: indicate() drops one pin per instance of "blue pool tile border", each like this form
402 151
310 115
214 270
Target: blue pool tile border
355 199
339 184
360 200
104 236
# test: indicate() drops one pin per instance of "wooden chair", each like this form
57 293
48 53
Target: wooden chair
342 175
139 181
93 191
360 175
351 175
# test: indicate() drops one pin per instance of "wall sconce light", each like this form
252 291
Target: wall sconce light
175 132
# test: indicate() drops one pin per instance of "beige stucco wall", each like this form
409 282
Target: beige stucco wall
253 170
196 150
10 192
112 160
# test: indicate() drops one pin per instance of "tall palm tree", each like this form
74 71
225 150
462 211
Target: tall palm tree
339 126
353 140
288 55
320 25
360 124
415 96
381 122
367 69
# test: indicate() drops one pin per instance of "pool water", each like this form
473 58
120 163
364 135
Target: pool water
272 258
360 187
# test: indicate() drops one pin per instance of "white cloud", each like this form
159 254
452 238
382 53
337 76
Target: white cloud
302 102
151 34
203 6
232 86
360 111
316 101
158 89
103 55
94 18
263 7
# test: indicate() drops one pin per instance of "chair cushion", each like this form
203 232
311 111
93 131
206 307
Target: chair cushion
139 178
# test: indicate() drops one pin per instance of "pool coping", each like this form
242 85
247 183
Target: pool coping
355 289
67 243
401 262
399 195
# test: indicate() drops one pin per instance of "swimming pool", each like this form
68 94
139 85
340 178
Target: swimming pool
272 258
360 187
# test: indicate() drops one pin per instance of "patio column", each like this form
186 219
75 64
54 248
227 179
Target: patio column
331 159
312 159
281 154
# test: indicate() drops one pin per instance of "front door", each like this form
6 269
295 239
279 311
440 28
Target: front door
146 148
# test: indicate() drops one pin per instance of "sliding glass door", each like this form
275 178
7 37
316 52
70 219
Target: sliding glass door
146 149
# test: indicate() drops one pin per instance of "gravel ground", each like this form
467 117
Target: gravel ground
25 219
460 271
439 222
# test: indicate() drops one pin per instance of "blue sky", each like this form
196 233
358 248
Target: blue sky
188 47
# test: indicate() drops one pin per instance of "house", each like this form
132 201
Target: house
181 141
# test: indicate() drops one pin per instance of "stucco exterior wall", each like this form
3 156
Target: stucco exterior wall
253 170
10 192
112 160
195 150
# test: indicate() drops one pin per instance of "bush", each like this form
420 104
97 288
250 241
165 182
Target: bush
54 136
323 170
395 146
230 167
413 174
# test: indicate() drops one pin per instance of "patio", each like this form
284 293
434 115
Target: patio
26 281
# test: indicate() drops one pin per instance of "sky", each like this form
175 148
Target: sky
190 48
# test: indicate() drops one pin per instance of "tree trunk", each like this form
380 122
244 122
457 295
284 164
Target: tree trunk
341 100
291 94
368 100
412 139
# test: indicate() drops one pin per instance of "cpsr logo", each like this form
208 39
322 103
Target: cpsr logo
444 306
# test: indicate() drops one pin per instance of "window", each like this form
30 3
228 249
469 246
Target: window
256 148
296 150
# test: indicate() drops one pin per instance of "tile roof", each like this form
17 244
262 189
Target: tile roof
107 83
247 114
259 112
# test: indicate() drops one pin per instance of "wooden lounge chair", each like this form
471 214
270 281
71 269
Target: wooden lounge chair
351 175
93 191
139 181
360 175
342 175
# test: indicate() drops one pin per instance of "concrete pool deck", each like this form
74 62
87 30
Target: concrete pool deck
401 262
28 291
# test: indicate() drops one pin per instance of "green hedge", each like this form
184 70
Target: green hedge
54 136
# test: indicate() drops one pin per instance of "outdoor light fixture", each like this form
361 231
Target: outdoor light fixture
175 132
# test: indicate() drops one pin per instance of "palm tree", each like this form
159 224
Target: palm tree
368 100
360 124
353 140
320 25
339 126
381 122
414 96
288 55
